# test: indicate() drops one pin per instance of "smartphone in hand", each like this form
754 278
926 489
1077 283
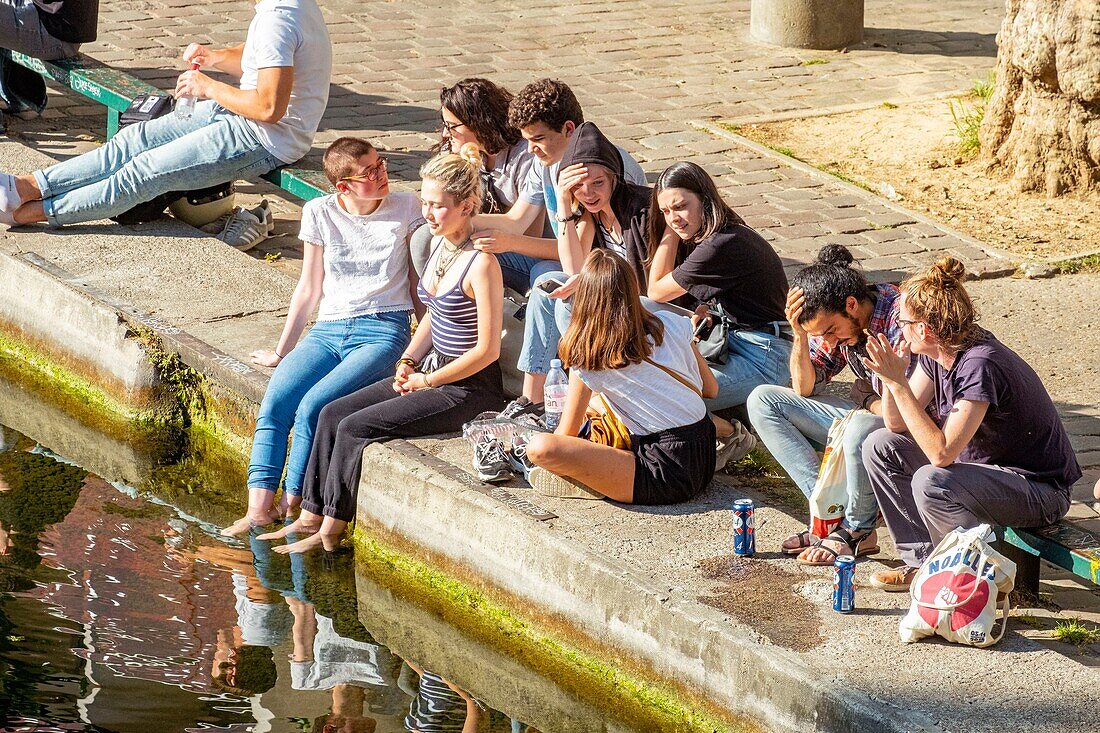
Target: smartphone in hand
549 286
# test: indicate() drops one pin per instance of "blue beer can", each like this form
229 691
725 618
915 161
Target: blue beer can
844 589
744 533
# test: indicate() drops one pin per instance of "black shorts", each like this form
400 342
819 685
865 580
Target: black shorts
673 465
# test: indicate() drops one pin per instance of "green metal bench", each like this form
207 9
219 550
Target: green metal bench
1066 544
116 89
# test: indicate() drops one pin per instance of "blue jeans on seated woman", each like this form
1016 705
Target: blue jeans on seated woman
755 358
334 359
146 160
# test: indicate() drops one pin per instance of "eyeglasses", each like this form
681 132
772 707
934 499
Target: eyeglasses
373 173
902 323
450 127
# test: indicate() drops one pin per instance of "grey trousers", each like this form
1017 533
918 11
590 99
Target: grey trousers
922 503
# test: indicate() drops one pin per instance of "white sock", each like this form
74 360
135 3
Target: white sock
9 197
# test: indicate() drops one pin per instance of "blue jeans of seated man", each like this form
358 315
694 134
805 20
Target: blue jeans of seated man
521 271
143 161
334 359
755 358
793 427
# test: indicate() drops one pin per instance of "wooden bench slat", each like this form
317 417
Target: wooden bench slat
1066 545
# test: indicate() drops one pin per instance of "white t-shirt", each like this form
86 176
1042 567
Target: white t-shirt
261 624
366 258
644 397
290 33
539 187
339 661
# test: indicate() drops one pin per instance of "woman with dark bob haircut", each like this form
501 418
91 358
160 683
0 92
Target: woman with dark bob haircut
700 248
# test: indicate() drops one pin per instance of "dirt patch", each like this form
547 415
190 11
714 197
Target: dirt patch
764 597
915 148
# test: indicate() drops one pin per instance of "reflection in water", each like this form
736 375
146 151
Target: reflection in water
120 615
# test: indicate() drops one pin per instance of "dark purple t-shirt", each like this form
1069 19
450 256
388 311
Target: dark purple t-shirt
1021 430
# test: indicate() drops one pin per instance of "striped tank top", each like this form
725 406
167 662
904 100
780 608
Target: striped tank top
454 315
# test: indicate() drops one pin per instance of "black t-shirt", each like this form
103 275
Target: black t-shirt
74 21
740 269
1021 430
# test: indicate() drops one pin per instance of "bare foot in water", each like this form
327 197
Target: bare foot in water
248 521
304 545
298 525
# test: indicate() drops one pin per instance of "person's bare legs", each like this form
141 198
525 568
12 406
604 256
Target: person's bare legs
30 213
30 210
307 522
723 428
260 512
602 468
533 385
328 537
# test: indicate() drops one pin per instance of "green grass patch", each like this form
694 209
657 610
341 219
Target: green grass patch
273 256
1089 263
1028 620
639 702
888 105
1073 631
967 115
881 227
814 62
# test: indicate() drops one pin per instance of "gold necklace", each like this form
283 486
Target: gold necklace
441 265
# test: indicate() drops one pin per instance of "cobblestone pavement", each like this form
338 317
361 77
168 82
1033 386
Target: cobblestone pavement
652 75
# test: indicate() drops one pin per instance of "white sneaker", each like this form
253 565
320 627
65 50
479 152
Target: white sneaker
548 483
9 199
245 228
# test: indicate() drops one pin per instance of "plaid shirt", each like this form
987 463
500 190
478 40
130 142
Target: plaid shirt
884 319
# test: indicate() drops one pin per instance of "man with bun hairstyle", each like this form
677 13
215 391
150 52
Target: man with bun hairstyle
971 436
831 308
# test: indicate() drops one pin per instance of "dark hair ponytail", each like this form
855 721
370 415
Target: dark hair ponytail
829 281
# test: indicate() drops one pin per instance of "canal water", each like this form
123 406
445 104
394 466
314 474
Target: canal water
121 609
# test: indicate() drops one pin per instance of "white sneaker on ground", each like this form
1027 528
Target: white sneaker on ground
733 448
9 199
245 228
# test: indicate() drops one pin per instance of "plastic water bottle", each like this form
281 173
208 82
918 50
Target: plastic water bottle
185 105
553 394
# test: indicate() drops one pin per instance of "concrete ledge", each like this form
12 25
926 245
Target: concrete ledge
39 305
602 603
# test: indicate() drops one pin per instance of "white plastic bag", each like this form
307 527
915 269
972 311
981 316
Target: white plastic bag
830 493
955 592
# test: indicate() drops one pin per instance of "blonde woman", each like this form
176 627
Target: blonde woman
447 375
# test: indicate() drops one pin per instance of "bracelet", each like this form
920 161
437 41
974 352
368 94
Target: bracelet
406 361
276 353
426 382
572 217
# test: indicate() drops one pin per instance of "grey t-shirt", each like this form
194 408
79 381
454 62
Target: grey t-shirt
1021 430
510 172
539 189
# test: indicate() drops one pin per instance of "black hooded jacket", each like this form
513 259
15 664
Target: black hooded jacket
629 202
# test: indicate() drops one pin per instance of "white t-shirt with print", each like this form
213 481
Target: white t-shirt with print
290 33
646 398
366 258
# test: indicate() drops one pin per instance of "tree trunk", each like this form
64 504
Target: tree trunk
1042 124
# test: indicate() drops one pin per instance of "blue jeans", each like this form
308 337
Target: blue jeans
335 359
143 161
544 321
793 427
521 271
755 358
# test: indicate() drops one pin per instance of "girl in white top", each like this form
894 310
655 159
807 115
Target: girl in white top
650 376
355 272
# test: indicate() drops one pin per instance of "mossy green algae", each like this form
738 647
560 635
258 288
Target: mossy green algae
639 701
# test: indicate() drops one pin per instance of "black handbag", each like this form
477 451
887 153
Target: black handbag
714 342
